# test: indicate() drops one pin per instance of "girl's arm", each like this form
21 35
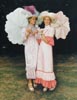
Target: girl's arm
28 32
44 38
49 39
25 34
38 35
35 32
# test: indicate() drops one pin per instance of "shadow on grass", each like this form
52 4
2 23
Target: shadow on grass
13 84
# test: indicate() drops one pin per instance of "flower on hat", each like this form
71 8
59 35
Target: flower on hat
32 10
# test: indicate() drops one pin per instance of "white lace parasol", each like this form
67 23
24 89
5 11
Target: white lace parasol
16 22
61 25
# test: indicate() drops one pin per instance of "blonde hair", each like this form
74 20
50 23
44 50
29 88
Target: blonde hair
48 17
31 17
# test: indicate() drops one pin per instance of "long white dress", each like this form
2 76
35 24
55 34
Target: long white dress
45 73
31 50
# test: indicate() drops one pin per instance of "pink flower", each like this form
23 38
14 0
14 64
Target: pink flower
31 9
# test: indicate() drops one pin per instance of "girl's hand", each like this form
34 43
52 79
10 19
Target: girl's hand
28 31
35 32
44 38
27 35
41 31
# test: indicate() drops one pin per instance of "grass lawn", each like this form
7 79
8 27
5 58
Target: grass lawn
13 84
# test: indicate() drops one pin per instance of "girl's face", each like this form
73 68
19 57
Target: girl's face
32 20
47 20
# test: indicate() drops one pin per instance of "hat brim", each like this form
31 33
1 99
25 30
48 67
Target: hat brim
46 14
32 16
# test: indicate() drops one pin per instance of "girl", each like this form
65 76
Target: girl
45 73
31 49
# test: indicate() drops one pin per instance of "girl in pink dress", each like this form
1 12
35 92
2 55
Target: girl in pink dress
45 72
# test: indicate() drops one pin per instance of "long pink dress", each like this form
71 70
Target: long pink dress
45 73
31 51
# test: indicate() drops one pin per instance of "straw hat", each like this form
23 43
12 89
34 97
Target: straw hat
46 14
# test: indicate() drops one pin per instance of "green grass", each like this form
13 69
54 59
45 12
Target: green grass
13 84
